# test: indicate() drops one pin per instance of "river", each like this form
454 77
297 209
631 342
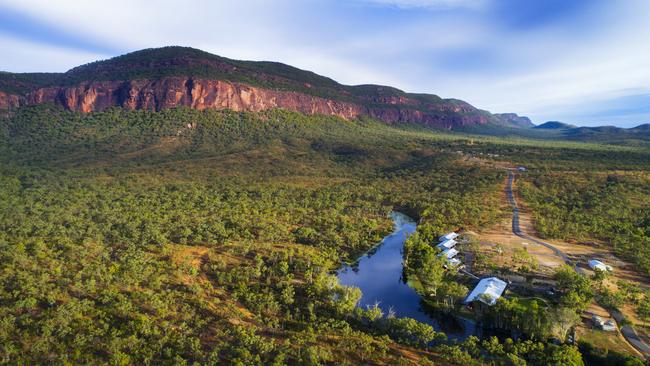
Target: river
378 274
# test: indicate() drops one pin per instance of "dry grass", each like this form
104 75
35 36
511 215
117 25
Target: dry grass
604 340
501 234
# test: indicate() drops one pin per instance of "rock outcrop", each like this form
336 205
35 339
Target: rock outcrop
8 101
216 94
167 77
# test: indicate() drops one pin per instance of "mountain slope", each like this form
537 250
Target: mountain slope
554 125
515 120
168 77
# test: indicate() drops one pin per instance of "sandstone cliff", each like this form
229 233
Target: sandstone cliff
216 94
8 101
156 79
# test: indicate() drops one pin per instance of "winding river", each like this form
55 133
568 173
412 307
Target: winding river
378 274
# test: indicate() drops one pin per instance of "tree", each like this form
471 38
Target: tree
431 273
524 262
561 356
411 332
562 320
576 291
643 310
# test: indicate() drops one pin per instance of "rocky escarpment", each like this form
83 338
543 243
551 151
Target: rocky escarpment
8 101
167 77
216 94
174 92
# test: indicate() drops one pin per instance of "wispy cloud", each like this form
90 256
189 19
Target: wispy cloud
27 56
429 4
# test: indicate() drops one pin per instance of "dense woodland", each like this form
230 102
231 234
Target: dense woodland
207 237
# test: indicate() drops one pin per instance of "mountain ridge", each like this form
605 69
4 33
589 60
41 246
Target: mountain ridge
174 76
554 125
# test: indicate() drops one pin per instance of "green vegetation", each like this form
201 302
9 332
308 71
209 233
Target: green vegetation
612 208
189 236
13 83
206 237
576 291
493 352
637 136
599 357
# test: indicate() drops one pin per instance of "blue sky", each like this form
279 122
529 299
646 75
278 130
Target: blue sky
585 62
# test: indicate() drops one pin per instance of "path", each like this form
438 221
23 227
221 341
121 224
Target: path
515 223
628 332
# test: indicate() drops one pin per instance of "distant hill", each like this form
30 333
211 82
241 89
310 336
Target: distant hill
553 130
610 134
641 128
515 120
168 77
554 125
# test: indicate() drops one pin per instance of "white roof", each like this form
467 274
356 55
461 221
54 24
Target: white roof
596 264
448 236
454 262
449 253
447 244
597 319
488 290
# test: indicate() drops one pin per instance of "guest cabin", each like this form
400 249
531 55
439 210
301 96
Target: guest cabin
449 253
453 262
447 244
449 236
595 264
606 325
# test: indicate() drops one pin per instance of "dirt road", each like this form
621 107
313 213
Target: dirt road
628 332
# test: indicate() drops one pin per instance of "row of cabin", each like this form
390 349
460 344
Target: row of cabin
447 244
488 290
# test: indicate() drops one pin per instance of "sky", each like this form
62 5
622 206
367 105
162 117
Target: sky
585 62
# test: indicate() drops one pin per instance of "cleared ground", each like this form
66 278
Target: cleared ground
502 246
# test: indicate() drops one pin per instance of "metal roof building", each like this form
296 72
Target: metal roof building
595 264
449 253
447 244
488 291
448 236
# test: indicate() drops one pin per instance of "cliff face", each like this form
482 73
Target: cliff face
167 77
173 92
216 94
8 101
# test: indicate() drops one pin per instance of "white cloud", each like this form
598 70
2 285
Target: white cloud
431 4
24 56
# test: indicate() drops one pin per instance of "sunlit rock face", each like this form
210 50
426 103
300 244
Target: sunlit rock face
217 94
168 77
